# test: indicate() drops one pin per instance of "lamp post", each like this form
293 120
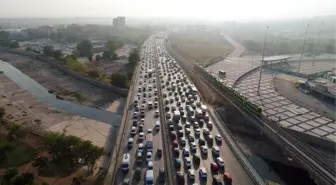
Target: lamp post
304 43
262 60
317 43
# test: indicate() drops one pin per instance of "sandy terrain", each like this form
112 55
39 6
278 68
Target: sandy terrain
21 108
65 86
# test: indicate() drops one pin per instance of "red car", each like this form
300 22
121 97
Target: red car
175 144
227 179
214 167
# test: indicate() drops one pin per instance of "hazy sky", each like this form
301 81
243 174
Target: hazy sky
196 9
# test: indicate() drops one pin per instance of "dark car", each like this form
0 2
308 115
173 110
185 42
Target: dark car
196 159
176 152
137 173
216 180
159 152
162 175
180 178
177 163
201 142
227 179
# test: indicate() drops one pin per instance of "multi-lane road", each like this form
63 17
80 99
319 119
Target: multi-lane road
168 86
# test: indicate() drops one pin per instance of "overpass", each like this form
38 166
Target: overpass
319 169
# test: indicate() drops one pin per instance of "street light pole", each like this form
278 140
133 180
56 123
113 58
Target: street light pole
317 43
262 60
304 43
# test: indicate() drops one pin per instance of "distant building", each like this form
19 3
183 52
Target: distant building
119 23
47 29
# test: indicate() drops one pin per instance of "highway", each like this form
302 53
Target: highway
232 166
149 123
169 74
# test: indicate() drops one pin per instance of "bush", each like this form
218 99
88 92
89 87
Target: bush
98 57
48 51
93 74
9 174
119 80
134 58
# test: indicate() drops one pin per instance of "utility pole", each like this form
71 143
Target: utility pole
304 43
262 60
317 43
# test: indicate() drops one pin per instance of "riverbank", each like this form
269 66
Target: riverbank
21 108
60 84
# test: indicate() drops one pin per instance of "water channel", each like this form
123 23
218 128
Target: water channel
41 94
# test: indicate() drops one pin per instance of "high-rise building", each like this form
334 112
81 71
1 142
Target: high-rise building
119 23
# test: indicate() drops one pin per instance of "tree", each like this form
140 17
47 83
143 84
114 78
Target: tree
9 174
93 73
89 58
114 56
2 113
134 58
119 80
106 55
58 54
85 48
14 44
330 48
130 75
48 51
29 49
98 57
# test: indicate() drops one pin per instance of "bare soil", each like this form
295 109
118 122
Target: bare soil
200 46
59 83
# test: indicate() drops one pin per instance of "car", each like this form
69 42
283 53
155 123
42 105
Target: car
186 152
218 138
135 115
175 144
191 174
141 136
130 142
162 175
197 132
137 173
216 180
210 139
157 125
193 147
215 151
214 166
180 177
183 141
176 152
157 113
126 182
159 152
201 142
149 131
141 147
220 162
149 156
150 165
133 131
210 125
204 150
187 162
168 116
227 179
206 132
196 159
203 173
177 163
191 138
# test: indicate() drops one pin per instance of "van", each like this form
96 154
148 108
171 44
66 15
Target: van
149 177
125 162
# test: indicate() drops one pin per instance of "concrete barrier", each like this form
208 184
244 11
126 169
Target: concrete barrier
54 63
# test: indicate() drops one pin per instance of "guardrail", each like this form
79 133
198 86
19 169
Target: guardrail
310 159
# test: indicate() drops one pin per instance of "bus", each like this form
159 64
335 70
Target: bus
149 143
221 72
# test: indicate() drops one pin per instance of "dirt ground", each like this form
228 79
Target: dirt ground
64 85
21 108
200 46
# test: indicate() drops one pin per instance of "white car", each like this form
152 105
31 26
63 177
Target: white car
197 131
191 174
220 162
150 165
149 156
215 151
157 113
149 131
141 136
187 162
141 147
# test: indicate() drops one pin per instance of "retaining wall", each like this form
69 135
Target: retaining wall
54 63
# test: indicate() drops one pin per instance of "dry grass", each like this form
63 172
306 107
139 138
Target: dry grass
200 46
